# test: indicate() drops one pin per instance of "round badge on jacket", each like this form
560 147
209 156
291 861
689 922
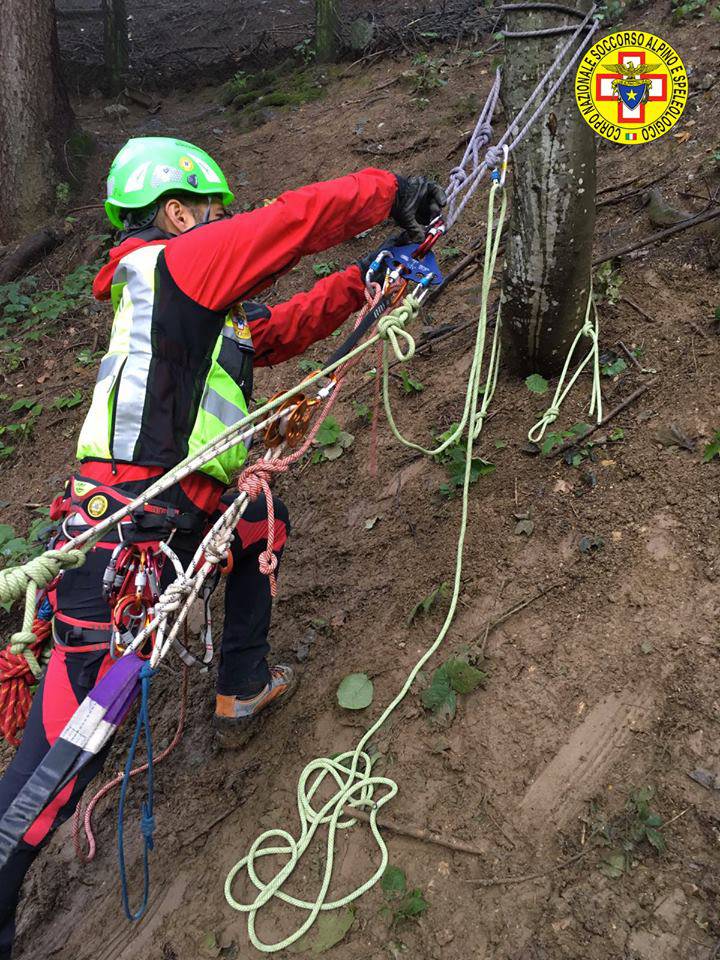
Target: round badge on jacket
631 87
97 506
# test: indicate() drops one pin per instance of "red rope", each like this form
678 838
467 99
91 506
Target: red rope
255 479
16 681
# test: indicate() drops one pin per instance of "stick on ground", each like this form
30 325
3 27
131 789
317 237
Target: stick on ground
607 418
660 235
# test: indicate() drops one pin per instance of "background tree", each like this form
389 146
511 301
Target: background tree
549 246
327 30
35 115
116 43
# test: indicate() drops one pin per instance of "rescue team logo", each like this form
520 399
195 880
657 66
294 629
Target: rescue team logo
631 87
97 506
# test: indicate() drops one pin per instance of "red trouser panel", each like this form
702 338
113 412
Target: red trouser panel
59 703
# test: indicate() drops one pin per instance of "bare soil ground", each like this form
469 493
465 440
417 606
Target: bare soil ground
605 685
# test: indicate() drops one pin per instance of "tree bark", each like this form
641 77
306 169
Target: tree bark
35 114
116 44
327 30
549 249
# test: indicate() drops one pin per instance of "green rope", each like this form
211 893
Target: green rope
25 580
590 329
352 770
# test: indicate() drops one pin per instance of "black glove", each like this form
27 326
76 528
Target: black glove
417 202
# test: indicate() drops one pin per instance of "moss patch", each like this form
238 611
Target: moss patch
251 94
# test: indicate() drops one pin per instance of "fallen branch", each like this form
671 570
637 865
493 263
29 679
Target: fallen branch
606 419
630 355
637 307
524 877
425 836
31 249
660 235
511 611
631 193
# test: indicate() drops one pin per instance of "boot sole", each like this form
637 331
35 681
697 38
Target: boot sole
232 733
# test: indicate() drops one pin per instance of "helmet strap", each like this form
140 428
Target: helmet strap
134 225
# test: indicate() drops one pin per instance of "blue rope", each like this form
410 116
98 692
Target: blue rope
147 820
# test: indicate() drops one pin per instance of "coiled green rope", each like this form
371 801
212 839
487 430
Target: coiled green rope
26 579
356 786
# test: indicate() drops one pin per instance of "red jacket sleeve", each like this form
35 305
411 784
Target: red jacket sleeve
231 259
295 325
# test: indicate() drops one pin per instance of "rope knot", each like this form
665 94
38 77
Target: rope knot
494 157
484 134
392 327
147 825
551 414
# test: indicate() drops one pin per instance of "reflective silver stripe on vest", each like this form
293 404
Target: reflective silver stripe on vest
226 412
130 399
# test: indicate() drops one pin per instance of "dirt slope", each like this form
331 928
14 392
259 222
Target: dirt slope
606 685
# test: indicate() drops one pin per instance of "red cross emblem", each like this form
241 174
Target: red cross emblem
657 83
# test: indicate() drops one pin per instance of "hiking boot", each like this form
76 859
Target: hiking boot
237 719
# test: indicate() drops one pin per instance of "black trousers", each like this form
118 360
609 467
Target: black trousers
75 667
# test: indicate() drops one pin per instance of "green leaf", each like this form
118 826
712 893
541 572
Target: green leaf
355 692
463 677
412 905
306 365
408 384
613 865
23 403
331 927
712 449
7 533
656 839
361 410
578 430
393 880
428 602
328 433
501 444
617 434
614 368
323 268
332 452
551 441
536 384
440 696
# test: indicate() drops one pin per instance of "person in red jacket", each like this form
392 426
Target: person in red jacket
185 338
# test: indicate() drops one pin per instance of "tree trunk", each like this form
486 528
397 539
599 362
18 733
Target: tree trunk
116 44
549 248
35 115
327 30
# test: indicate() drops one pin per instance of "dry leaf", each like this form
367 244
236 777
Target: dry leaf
562 486
682 137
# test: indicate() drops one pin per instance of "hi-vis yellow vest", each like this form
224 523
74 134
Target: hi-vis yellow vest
174 377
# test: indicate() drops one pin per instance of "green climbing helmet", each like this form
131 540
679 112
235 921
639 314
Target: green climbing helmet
148 167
